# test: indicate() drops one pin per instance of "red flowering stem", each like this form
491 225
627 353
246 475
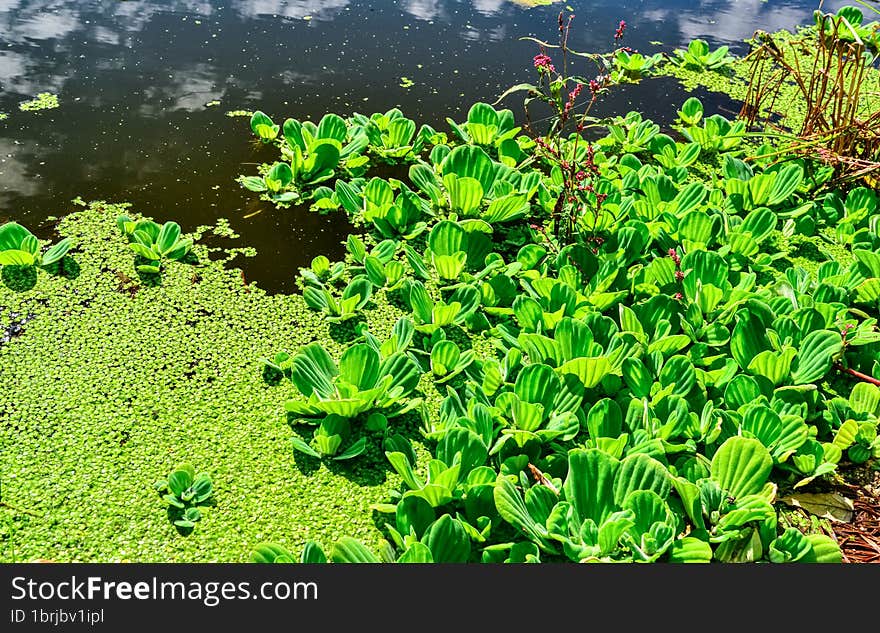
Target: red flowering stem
858 374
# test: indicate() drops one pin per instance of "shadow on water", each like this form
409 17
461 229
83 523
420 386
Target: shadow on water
369 469
286 239
145 86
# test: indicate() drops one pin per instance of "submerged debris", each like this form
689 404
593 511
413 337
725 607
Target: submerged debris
15 326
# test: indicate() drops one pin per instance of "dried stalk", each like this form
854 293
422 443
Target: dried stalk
831 87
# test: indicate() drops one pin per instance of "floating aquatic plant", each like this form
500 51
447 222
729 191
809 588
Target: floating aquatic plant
43 101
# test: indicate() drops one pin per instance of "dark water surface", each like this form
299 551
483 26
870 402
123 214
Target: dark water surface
139 83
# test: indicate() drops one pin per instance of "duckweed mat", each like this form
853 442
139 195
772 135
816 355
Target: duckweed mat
108 382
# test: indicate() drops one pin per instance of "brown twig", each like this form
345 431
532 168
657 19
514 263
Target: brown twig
857 374
831 85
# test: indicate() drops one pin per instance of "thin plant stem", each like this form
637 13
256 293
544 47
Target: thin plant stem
857 374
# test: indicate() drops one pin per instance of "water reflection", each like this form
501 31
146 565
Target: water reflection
312 9
725 22
424 9
144 86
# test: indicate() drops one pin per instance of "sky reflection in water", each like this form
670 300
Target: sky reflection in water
135 78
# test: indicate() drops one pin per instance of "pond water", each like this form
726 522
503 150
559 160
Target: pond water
144 88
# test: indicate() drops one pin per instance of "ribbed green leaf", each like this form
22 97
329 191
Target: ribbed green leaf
540 348
506 208
447 238
413 514
698 226
12 235
359 365
512 508
824 550
312 553
448 541
293 134
789 547
741 390
57 252
323 158
708 267
690 550
450 267
589 486
537 383
590 371
417 553
748 338
444 357
270 553
471 162
282 173
679 373
529 313
815 356
332 126
14 257
637 377
313 371
788 179
399 133
764 424
865 398
465 194
402 465
774 366
302 446
349 550
641 472
741 466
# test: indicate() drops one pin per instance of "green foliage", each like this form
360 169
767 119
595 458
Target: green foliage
274 183
364 380
633 134
691 112
395 215
370 377
392 137
263 127
186 493
153 375
491 128
312 154
642 390
716 134
698 57
442 541
321 272
354 297
154 243
332 432
650 392
273 553
43 101
849 24
633 66
20 247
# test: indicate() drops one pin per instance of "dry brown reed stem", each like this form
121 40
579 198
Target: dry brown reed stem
841 124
